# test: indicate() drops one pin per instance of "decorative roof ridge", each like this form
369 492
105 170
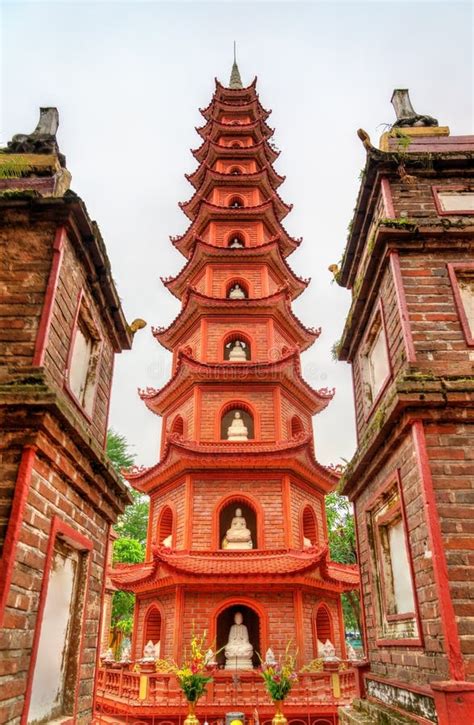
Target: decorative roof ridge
259 250
233 126
135 472
275 197
233 105
263 143
233 179
247 175
310 552
238 211
282 293
236 91
185 356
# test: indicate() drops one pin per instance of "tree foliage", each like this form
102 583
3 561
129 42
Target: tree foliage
342 547
131 527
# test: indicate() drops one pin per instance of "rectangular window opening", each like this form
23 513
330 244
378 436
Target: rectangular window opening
375 362
84 360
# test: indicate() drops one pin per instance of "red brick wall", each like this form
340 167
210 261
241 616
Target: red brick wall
299 498
438 337
166 603
257 331
52 491
208 493
311 603
25 262
175 498
395 345
289 410
249 165
213 400
406 664
416 201
72 279
450 450
250 195
218 232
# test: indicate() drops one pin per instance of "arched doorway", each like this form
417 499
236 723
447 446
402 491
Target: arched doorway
225 620
310 527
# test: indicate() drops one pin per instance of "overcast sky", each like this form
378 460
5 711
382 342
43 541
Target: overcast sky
128 79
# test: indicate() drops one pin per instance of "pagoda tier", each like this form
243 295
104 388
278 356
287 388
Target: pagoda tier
218 225
227 132
252 109
261 458
264 265
216 185
191 372
210 151
275 307
237 511
198 176
308 569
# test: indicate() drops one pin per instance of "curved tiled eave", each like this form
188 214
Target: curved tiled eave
309 567
215 179
214 129
208 212
204 253
197 305
190 372
235 95
253 107
262 151
196 179
191 207
268 457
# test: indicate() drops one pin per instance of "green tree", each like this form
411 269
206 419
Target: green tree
342 547
131 527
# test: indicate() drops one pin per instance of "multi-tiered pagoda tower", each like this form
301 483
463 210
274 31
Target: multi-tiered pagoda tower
237 430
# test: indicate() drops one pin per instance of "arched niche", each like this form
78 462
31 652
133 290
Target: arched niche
177 426
236 145
225 620
323 626
236 202
235 170
233 283
229 346
165 528
310 527
152 626
228 417
236 240
296 426
227 513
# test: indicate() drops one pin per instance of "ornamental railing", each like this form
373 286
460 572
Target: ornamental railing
228 690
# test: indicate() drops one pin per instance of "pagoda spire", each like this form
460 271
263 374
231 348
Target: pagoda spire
235 79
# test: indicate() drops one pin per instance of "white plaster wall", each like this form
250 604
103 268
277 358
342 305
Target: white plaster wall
50 669
402 585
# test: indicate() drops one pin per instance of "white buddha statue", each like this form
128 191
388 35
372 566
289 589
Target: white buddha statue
167 541
237 352
149 652
238 650
237 431
237 293
236 243
238 536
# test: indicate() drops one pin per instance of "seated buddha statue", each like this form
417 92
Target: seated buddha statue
238 650
237 431
237 352
238 536
236 293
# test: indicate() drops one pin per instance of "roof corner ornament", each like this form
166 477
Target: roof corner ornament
43 139
406 114
235 79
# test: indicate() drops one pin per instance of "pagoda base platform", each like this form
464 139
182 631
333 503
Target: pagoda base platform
138 698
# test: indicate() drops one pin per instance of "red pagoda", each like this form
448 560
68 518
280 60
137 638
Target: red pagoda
237 514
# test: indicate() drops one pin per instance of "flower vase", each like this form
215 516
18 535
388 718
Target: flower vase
279 718
191 718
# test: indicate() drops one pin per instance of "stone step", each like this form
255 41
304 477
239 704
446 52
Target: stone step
350 716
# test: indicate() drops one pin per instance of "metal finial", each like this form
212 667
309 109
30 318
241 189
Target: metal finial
235 79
